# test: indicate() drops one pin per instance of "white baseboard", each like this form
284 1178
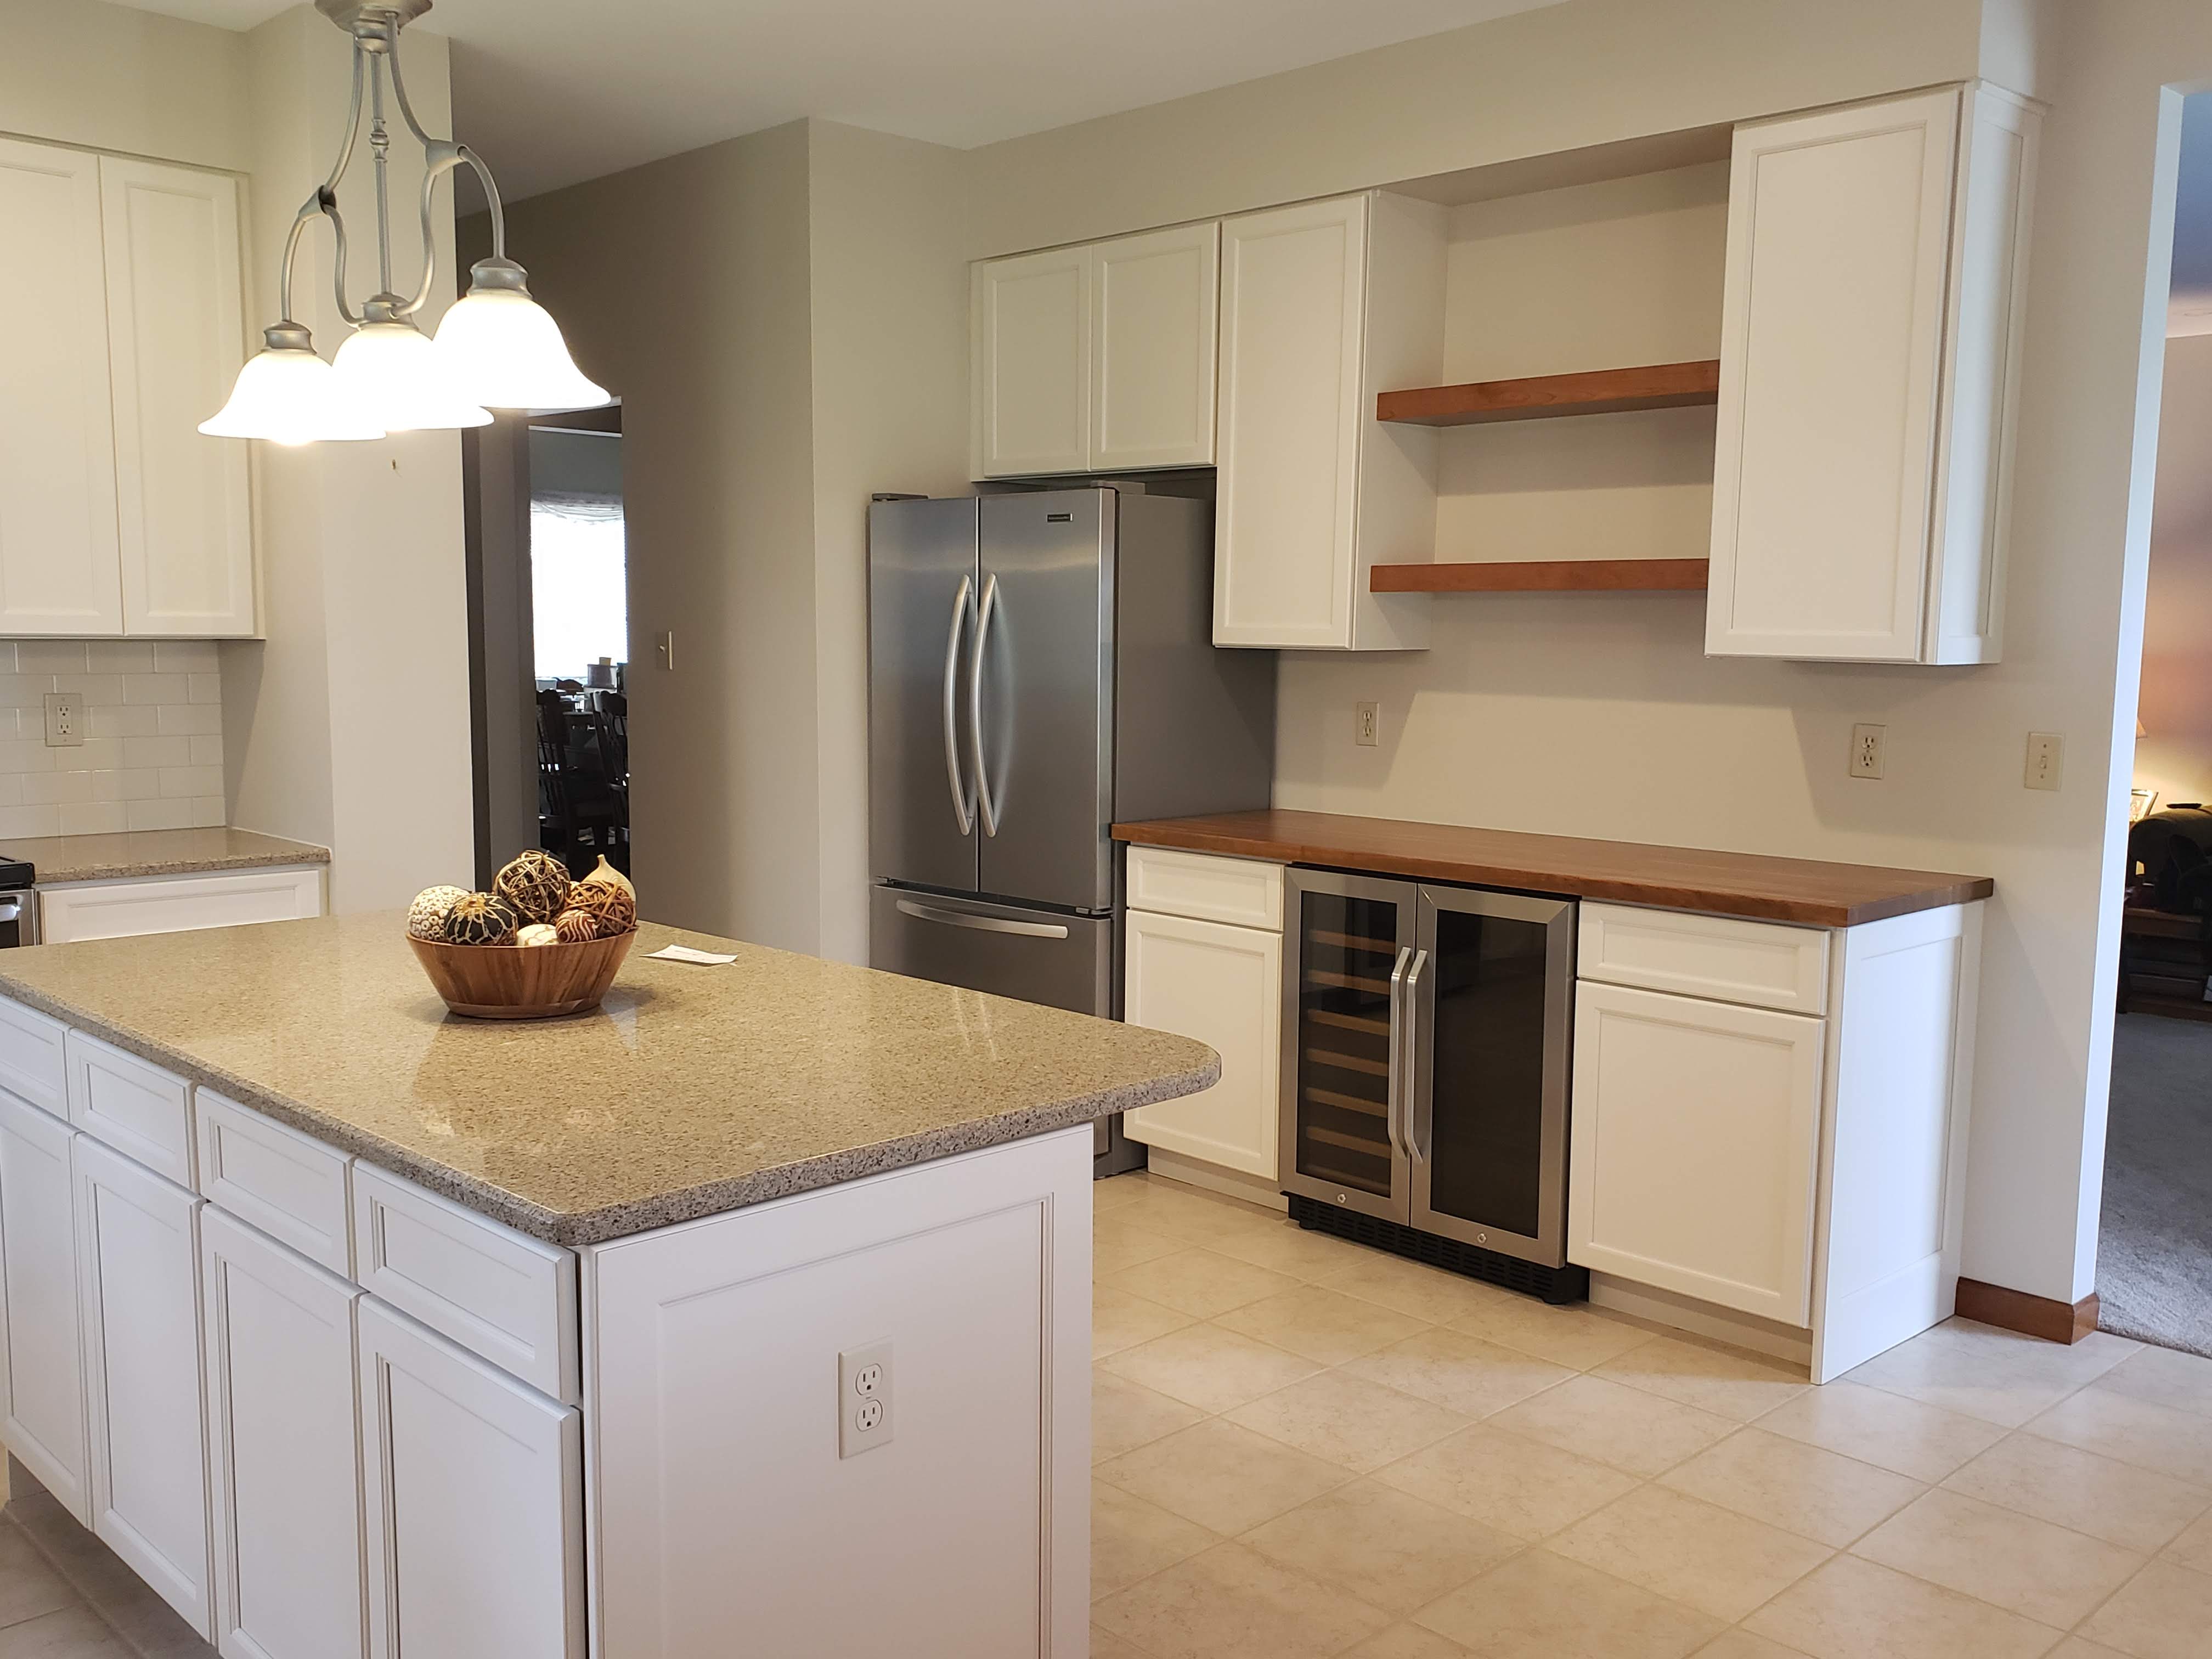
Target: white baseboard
1235 1183
1684 1313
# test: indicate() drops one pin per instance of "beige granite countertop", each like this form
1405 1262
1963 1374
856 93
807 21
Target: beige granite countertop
690 1091
157 853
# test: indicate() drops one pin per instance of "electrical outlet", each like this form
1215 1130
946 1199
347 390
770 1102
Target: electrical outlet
64 720
863 1399
1866 751
1366 723
2046 749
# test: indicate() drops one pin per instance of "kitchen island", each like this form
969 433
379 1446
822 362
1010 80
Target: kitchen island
749 1313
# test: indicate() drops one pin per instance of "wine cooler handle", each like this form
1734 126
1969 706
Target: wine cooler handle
1408 1061
1394 1099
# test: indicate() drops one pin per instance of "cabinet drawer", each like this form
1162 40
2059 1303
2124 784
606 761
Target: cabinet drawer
1763 963
505 1297
289 1185
1245 892
141 1110
125 910
31 1065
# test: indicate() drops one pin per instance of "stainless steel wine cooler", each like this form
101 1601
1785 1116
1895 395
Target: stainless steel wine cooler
1426 1035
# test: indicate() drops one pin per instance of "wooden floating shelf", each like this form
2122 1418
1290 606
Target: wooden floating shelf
1543 576
1599 392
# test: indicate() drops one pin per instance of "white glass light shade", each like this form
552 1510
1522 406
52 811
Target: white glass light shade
504 349
288 395
393 375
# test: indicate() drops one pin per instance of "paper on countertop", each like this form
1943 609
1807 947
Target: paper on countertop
685 953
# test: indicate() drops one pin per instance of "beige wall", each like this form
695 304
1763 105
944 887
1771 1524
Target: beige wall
113 78
2175 757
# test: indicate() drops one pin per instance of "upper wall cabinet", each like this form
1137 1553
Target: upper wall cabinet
1876 291
1098 358
1323 306
115 515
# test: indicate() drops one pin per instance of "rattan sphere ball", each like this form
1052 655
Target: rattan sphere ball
535 883
577 927
538 933
481 919
611 908
426 917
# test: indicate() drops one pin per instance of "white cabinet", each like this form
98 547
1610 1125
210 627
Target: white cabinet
176 334
41 1377
474 1502
115 515
1097 358
1695 1130
139 1274
1875 292
172 904
1323 306
283 1433
1222 985
59 572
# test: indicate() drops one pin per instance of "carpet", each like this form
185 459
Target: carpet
2154 1245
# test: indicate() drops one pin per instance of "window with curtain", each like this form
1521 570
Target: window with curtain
580 604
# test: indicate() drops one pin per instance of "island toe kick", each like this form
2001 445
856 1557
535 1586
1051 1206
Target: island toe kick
323 1411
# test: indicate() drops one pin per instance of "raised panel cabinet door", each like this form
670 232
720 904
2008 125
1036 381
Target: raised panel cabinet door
1292 293
58 572
138 1273
1224 987
283 1434
1155 300
473 1485
1832 359
1032 328
176 332
1694 1136
42 1375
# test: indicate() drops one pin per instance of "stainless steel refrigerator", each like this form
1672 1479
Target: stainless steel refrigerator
1041 664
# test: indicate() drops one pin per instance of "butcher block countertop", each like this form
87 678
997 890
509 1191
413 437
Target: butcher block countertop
1802 891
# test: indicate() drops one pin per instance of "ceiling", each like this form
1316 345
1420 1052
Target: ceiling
555 91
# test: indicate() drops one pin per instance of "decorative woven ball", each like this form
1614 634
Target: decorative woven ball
538 933
481 919
577 927
535 883
610 908
426 917
606 872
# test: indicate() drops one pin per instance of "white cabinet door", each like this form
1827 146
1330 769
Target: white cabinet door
1874 297
474 1488
177 337
1032 328
41 1377
1695 1135
1224 987
176 904
57 529
1155 299
138 1272
284 1436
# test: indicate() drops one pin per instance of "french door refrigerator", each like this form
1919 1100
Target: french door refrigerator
1426 1044
1041 664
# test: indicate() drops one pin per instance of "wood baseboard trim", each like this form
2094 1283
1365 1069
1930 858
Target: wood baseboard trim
2031 1316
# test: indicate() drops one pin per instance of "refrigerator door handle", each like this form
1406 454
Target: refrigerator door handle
1394 1099
1414 1152
987 808
963 804
982 924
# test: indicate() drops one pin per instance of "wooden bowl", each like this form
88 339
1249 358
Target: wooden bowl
514 981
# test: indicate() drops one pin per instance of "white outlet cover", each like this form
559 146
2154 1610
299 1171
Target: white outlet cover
1866 757
865 1416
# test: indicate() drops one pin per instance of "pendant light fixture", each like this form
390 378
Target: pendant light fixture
497 347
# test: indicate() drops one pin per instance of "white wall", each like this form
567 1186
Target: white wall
2175 755
113 78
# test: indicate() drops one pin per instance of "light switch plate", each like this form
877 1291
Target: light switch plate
2047 751
863 1399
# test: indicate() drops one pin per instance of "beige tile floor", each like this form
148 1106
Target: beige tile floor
1305 1448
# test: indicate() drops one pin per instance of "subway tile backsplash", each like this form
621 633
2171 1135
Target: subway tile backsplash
152 755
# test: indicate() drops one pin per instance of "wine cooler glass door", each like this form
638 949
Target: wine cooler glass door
1346 1087
1488 1100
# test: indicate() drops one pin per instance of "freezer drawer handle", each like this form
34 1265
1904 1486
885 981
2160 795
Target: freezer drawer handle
1413 1152
963 807
986 807
982 924
1396 1093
